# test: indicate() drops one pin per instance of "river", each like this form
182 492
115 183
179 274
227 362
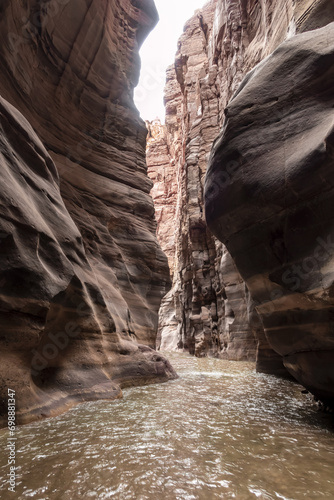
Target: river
219 431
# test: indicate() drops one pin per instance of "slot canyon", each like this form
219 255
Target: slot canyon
188 261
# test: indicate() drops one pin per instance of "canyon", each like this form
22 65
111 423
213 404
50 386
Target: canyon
117 238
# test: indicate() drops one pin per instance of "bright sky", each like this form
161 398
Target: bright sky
158 52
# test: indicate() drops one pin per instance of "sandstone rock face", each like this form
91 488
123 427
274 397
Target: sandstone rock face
82 274
161 171
189 313
275 213
206 311
210 302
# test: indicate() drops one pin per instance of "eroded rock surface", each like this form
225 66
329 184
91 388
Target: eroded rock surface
275 213
82 274
161 170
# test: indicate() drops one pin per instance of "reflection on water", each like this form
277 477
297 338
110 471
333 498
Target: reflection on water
219 431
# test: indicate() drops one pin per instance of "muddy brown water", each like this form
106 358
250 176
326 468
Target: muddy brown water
219 431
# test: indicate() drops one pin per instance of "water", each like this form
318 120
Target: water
219 431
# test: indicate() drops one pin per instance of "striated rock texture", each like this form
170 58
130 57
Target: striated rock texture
275 213
81 272
161 171
189 313
210 302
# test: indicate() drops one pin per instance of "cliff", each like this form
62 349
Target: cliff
161 171
275 215
82 274
215 311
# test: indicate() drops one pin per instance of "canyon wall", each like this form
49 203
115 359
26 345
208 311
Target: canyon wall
275 214
162 170
81 271
210 302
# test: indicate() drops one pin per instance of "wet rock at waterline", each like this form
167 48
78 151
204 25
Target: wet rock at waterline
82 274
275 214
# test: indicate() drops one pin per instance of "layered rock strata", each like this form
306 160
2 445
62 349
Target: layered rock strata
82 274
161 171
211 303
275 214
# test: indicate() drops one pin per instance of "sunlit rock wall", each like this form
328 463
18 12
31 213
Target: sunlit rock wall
163 173
82 274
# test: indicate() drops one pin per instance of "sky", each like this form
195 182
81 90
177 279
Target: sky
158 52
